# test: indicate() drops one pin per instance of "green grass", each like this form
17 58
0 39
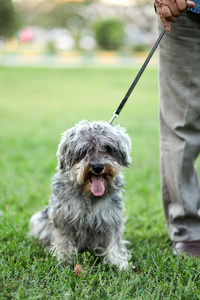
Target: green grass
36 105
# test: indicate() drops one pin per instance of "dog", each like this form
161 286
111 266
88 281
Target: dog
85 209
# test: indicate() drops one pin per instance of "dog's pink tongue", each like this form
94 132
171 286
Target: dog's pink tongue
97 187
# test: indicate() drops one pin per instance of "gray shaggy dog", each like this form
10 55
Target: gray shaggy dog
85 210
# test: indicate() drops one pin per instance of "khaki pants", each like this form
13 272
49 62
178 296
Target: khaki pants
179 91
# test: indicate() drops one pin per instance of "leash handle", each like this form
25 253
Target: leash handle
117 112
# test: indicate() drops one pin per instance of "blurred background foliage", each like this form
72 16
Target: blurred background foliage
109 33
9 18
84 25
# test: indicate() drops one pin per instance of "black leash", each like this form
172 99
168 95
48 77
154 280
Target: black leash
117 112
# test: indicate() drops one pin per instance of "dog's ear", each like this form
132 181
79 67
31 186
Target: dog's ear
67 152
64 147
125 147
61 156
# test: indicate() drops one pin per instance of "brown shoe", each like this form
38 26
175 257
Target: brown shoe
187 248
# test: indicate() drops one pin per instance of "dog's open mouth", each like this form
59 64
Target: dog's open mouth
97 186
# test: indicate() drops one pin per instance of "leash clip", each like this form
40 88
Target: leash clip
113 118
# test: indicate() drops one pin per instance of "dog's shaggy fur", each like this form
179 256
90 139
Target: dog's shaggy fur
85 210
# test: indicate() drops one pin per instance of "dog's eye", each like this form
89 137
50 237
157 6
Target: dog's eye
82 153
108 149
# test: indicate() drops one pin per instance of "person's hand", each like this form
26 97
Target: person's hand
171 10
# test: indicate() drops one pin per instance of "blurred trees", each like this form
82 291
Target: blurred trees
109 33
56 14
79 17
8 18
53 13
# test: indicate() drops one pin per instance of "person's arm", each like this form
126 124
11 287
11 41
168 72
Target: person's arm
171 10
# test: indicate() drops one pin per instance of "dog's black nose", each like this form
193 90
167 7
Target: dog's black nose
97 168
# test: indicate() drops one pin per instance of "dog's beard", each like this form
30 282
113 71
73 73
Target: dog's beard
91 183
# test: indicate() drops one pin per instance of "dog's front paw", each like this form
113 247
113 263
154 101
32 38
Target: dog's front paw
118 260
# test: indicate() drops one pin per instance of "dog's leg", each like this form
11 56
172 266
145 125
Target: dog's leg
43 228
116 252
40 227
61 246
116 257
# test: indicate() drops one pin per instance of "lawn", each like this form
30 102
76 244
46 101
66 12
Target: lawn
36 106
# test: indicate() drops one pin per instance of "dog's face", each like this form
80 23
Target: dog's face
93 153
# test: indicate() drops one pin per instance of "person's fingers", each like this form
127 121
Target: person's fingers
171 10
184 5
167 11
164 21
168 14
190 4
